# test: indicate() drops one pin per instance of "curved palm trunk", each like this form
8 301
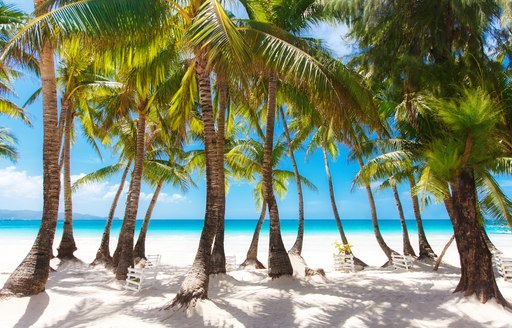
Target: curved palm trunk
103 253
30 277
426 251
408 250
195 285
445 249
139 251
297 246
123 255
218 259
375 222
477 276
344 239
67 244
278 260
251 259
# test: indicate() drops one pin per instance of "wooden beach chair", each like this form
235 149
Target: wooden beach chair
139 278
344 263
401 262
231 263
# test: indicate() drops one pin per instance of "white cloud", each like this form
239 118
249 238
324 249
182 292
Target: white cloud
173 198
16 184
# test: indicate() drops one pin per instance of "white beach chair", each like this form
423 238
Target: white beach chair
401 262
139 278
503 265
344 262
231 263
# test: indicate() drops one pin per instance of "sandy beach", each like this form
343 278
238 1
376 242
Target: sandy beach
80 296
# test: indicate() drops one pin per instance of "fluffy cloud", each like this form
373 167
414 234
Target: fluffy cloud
16 184
19 190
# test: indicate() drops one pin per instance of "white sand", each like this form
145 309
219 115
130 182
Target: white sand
78 296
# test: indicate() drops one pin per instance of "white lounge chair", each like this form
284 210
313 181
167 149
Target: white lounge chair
231 263
401 262
344 262
503 265
139 278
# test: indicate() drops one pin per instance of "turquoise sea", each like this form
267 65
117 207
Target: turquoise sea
94 228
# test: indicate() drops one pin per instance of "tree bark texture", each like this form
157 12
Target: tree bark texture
139 251
426 252
278 260
30 277
123 256
103 253
195 285
335 212
408 250
218 259
297 246
477 276
375 221
67 244
251 259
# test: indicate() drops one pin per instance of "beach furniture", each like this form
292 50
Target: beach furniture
344 262
139 278
231 263
401 262
503 265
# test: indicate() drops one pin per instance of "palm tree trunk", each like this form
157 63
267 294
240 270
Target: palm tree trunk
251 259
67 244
123 256
426 251
195 285
297 246
408 250
30 277
477 276
344 239
445 249
278 260
139 252
375 222
103 253
218 259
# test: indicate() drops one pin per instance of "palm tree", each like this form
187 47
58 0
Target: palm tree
246 161
31 275
103 253
461 156
297 246
172 170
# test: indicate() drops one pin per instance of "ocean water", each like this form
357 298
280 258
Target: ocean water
94 228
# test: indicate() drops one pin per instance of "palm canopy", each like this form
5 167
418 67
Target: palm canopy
246 162
468 135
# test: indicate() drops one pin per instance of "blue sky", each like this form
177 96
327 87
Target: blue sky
21 183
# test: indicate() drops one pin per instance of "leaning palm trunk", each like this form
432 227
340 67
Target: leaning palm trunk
103 253
375 222
426 251
251 259
67 244
408 250
445 249
218 259
278 260
477 276
297 246
195 285
139 252
344 239
123 256
31 275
